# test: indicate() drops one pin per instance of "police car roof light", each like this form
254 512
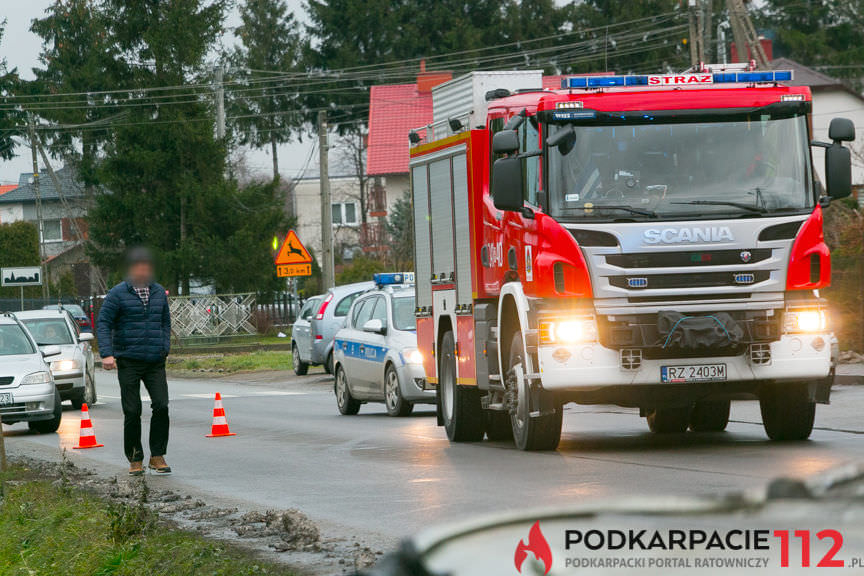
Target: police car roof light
757 77
390 278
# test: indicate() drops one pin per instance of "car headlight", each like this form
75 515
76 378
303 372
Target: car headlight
811 320
37 378
65 366
413 356
568 330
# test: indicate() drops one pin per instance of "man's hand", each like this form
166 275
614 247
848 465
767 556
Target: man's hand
108 363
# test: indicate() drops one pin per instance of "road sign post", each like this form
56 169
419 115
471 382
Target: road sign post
293 259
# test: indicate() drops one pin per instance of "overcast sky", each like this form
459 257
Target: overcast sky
21 50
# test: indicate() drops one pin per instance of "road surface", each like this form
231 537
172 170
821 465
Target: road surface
378 477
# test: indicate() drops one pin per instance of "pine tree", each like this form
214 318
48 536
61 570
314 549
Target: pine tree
266 65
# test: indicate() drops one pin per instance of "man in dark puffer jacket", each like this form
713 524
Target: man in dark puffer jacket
134 331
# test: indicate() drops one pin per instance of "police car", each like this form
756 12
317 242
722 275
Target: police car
375 354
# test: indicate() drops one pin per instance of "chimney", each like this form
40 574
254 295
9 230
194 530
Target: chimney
428 80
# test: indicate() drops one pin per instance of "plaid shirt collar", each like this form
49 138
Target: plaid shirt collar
143 293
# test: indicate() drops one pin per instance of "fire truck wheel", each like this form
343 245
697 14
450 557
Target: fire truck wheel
787 411
460 405
346 403
530 432
669 420
300 367
710 416
498 426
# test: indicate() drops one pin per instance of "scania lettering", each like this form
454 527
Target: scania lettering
650 241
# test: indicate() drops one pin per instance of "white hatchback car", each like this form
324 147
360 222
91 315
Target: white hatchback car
27 391
73 368
375 354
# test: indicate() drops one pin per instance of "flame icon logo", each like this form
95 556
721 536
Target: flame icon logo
538 545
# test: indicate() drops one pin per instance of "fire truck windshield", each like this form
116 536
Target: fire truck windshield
647 170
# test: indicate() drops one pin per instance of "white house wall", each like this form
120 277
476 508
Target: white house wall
828 104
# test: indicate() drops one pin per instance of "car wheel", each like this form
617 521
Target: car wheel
347 404
787 411
669 420
460 405
328 363
300 367
396 404
710 416
49 426
530 432
78 400
90 391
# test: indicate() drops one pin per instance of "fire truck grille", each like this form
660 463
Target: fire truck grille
691 280
685 259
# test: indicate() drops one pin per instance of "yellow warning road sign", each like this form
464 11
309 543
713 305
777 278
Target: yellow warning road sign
293 259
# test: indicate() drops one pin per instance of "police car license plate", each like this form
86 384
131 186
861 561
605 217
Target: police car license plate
693 373
5 399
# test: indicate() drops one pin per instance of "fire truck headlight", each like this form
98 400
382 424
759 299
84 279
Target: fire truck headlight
806 321
568 331
413 356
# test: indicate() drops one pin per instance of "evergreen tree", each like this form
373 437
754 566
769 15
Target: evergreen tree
266 106
10 117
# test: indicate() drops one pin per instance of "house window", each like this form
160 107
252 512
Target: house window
345 213
52 231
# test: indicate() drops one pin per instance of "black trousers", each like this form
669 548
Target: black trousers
131 374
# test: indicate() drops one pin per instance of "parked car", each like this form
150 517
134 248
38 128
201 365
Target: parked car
301 335
73 367
375 354
27 391
81 317
330 318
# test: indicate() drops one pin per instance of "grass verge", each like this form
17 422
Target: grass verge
228 363
60 530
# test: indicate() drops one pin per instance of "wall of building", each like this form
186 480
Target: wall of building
828 104
345 192
11 213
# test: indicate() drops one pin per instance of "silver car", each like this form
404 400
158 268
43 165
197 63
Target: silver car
27 391
73 367
328 317
301 335
376 356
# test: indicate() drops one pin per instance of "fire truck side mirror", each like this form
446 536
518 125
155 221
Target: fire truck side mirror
838 171
507 183
505 142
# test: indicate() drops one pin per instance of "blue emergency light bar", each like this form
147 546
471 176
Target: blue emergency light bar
391 278
687 79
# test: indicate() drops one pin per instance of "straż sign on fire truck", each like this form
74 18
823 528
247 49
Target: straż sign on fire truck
649 241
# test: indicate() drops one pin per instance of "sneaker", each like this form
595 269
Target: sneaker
136 468
159 467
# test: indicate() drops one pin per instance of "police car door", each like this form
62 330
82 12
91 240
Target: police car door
351 343
373 348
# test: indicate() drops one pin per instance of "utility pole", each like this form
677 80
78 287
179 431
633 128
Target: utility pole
327 263
36 193
220 103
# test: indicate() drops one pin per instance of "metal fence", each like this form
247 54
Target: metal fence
212 316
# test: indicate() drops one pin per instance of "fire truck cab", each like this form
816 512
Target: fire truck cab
649 241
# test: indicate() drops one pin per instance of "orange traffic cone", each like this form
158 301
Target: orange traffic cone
87 438
220 423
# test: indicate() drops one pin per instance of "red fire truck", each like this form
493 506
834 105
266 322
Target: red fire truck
650 241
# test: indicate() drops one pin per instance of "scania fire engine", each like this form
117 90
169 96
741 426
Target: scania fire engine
650 241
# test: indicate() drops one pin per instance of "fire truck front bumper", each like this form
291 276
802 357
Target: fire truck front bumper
591 366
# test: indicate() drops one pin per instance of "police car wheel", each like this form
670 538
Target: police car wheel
346 403
710 416
787 411
300 367
531 432
393 400
460 405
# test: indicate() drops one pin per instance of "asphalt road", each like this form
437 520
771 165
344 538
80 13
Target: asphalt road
383 478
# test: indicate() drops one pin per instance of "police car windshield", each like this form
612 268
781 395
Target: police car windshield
651 170
403 313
